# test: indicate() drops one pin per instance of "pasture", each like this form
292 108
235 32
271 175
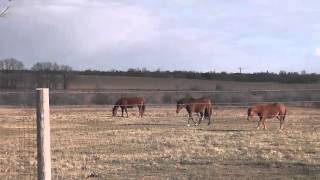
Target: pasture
87 142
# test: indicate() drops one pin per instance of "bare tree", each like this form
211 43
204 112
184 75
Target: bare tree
67 75
10 71
11 64
48 74
45 66
45 74
4 9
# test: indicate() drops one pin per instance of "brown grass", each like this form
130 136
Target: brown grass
89 143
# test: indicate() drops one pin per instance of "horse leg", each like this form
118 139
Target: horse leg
195 123
264 124
209 115
190 117
259 122
200 118
140 114
141 110
281 122
122 109
126 109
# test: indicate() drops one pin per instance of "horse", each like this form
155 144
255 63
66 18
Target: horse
202 106
268 111
129 102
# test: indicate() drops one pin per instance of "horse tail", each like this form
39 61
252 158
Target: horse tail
284 114
143 108
208 112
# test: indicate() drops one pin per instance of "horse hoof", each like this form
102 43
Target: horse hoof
196 124
188 125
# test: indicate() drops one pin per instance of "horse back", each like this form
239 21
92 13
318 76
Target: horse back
135 101
271 109
281 107
201 104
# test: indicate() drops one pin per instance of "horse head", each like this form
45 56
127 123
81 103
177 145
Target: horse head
114 111
251 113
180 105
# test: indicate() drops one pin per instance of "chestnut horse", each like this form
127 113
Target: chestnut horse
126 102
268 111
201 105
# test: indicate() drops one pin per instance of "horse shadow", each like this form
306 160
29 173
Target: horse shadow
224 130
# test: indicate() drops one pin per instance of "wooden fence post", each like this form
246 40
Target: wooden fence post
43 134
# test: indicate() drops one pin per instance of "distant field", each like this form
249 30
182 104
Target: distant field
89 143
106 90
127 82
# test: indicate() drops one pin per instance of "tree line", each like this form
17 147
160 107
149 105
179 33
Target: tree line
281 77
14 75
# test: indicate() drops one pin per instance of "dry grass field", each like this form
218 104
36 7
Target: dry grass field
87 143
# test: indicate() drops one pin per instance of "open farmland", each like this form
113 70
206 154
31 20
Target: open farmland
89 143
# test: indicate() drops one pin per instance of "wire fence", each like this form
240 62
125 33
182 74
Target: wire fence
88 142
18 143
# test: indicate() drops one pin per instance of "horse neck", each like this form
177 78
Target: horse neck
257 109
122 101
189 108
186 101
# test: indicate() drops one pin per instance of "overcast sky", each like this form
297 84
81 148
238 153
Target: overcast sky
199 35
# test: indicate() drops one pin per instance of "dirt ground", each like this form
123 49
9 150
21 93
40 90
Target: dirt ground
87 143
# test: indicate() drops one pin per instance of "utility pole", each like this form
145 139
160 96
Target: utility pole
240 69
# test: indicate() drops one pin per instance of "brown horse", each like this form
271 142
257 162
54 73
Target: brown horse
268 111
125 103
202 106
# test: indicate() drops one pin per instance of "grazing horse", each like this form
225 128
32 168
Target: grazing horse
125 103
201 105
268 111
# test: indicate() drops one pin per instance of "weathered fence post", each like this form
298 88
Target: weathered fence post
43 134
